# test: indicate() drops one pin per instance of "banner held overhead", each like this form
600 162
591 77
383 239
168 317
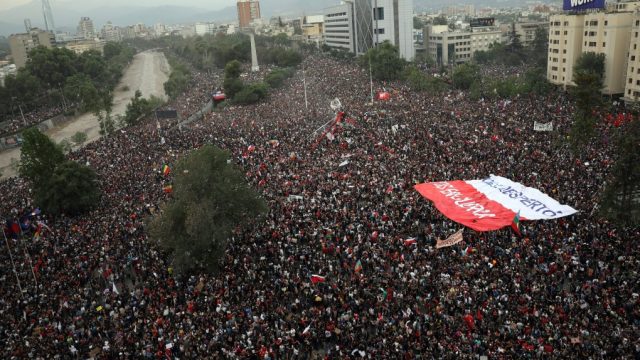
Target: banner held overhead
492 203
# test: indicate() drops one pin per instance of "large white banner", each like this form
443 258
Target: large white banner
542 126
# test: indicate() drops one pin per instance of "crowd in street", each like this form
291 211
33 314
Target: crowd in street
20 121
567 288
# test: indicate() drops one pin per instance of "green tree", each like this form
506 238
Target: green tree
417 23
418 81
251 94
621 200
539 48
80 89
276 78
138 107
384 61
587 76
465 75
210 199
52 66
233 69
79 138
39 157
72 189
232 83
536 81
440 20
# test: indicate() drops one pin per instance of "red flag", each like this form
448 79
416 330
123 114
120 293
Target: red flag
317 279
410 241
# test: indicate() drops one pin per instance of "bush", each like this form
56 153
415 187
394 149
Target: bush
276 78
251 94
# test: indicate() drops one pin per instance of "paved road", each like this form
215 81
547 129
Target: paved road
147 73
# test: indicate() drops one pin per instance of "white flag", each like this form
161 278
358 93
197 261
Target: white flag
451 240
115 289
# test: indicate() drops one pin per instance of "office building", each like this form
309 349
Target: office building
313 27
85 29
248 11
457 47
357 25
80 46
527 30
205 28
110 32
22 44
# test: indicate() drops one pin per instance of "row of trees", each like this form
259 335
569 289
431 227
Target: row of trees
179 78
57 75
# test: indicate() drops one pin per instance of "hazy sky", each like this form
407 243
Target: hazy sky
205 4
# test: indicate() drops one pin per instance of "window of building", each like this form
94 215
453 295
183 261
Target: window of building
554 68
637 82
566 23
604 44
564 61
378 13
565 32
606 22
633 58
378 31
630 80
592 43
637 22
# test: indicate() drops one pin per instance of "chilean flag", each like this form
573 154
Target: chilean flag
317 279
491 203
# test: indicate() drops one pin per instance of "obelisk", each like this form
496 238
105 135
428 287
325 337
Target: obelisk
254 55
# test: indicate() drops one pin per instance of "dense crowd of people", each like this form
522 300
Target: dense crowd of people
566 288
21 121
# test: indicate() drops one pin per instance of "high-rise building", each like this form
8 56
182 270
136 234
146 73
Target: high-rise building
110 32
248 11
205 28
357 25
22 44
603 32
85 28
393 22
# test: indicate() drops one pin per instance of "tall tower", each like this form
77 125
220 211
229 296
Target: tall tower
27 25
254 54
49 25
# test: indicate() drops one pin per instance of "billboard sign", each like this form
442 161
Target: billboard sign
479 22
582 4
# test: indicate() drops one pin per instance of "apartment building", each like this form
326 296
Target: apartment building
607 31
22 44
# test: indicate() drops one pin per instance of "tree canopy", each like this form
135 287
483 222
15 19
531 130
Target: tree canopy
621 200
385 62
59 185
39 157
587 76
72 189
210 199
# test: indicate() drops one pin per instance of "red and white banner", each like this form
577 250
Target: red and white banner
492 203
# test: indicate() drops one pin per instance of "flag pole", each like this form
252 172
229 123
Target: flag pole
26 254
304 82
371 79
13 263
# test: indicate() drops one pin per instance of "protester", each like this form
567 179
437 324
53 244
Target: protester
567 289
